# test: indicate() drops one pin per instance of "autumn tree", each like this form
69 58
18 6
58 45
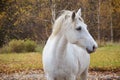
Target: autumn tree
21 19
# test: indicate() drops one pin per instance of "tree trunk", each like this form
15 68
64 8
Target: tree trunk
111 24
52 7
98 15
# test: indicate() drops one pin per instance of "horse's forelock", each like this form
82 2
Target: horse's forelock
60 17
62 12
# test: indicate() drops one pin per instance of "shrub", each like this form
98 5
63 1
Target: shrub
19 46
5 49
39 48
30 45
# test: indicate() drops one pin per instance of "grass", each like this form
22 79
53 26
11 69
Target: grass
105 58
15 62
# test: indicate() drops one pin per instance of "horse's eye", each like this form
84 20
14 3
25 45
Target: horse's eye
79 28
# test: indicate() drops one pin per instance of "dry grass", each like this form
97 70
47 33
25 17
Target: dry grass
15 62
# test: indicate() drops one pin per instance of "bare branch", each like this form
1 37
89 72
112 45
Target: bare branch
53 14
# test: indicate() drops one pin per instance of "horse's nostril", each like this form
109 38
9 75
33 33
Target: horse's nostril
94 47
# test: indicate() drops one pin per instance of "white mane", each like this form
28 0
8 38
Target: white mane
58 23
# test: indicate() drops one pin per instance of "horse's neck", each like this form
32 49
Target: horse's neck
60 44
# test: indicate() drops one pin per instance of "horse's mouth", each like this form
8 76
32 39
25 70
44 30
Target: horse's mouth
90 51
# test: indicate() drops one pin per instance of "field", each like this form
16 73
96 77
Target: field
106 58
16 62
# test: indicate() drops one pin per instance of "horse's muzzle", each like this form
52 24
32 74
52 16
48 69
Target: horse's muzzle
91 51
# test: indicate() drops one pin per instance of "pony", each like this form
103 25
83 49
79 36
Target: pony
66 55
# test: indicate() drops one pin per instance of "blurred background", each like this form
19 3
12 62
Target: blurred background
25 26
31 19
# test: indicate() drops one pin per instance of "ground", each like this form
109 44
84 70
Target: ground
39 75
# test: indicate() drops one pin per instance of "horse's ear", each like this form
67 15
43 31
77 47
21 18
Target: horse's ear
79 12
73 16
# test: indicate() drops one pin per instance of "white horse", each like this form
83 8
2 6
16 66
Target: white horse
66 53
